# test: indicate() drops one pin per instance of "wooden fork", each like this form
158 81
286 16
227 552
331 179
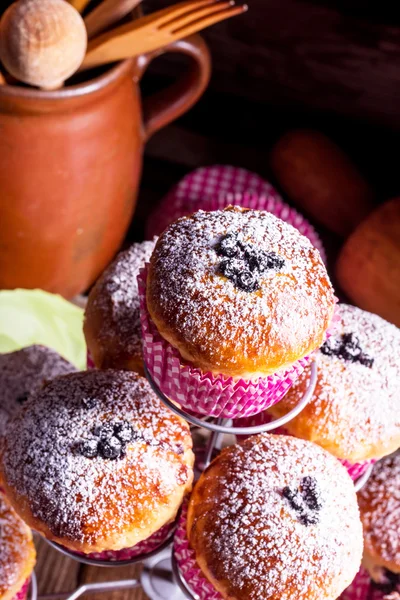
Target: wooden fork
80 5
158 30
106 14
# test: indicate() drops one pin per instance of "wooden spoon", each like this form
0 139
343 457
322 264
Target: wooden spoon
42 42
80 5
106 14
158 30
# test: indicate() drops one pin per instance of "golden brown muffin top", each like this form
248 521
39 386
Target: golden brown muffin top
354 411
22 373
379 502
276 518
113 307
238 291
97 455
17 552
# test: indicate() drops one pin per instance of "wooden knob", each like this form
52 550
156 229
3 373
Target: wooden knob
42 42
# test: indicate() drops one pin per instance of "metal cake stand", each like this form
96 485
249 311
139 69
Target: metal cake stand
32 592
160 578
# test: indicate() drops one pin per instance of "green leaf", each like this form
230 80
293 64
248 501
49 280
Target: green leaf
36 317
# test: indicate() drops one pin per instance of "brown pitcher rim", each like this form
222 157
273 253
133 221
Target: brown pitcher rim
73 91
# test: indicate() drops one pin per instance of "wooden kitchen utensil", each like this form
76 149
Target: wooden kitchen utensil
106 14
42 42
71 161
80 5
157 30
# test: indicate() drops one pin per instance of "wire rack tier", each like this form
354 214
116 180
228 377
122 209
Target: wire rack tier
160 578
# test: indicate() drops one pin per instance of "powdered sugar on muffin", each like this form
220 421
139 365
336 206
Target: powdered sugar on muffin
115 299
22 373
355 406
17 553
379 503
256 307
247 521
97 453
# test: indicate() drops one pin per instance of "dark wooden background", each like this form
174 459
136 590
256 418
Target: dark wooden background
324 64
329 65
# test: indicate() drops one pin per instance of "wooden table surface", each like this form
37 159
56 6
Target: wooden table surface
56 574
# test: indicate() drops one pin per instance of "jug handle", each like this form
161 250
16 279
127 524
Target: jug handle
165 106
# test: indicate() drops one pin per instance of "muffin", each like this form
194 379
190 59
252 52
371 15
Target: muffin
274 518
379 502
235 302
354 410
112 317
100 464
22 373
17 553
218 186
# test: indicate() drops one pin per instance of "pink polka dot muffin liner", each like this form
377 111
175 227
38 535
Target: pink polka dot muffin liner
186 561
362 589
210 188
206 393
23 592
355 470
141 549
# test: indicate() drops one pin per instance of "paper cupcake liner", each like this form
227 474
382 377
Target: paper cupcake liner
362 589
261 418
224 185
23 593
142 548
203 183
89 361
359 589
206 393
355 470
186 561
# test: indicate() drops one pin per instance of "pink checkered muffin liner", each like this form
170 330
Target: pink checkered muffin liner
206 393
141 549
226 185
186 561
89 361
206 182
23 592
355 470
362 589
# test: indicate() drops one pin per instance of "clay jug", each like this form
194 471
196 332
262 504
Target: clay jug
70 166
